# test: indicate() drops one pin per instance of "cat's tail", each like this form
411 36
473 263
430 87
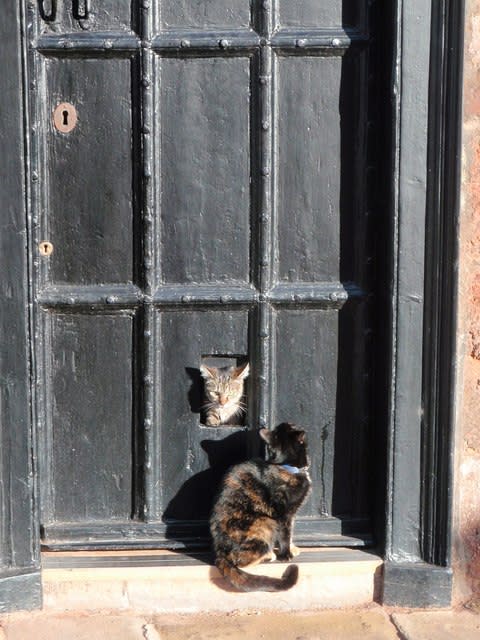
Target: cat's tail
244 581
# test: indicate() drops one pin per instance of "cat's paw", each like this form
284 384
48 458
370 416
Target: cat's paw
284 556
295 551
212 421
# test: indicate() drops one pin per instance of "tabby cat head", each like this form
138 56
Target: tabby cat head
224 386
287 444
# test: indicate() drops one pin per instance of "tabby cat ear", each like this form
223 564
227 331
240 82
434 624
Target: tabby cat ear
242 371
301 437
207 372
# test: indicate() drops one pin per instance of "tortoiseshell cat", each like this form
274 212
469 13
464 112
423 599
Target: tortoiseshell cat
252 518
223 393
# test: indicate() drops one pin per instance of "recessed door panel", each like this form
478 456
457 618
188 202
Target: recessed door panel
84 16
306 390
89 217
204 169
202 14
321 383
201 454
315 13
319 141
89 429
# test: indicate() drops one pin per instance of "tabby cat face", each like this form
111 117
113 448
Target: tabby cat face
287 444
224 386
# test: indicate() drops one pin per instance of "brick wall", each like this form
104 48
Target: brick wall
467 525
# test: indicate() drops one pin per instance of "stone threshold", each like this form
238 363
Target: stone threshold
172 582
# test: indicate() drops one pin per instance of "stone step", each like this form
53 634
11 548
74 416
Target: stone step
157 582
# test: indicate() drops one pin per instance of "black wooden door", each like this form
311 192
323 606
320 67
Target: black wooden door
201 178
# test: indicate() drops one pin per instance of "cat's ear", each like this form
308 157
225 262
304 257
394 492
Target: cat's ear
207 372
242 371
301 437
265 435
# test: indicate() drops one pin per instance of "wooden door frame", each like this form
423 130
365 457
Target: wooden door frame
425 89
427 99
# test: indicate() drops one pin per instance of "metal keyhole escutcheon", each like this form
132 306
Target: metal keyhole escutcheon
45 248
65 117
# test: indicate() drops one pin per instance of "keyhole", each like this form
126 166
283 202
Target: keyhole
45 248
65 117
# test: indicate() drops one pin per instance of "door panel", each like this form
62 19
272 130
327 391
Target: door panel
210 205
90 429
319 139
306 378
320 360
205 169
80 16
90 181
198 14
214 337
319 13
